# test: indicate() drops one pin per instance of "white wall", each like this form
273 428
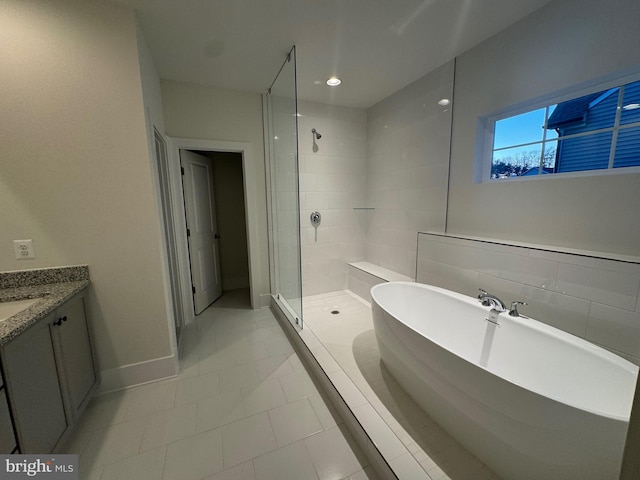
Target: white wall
230 215
207 113
332 182
562 45
154 114
75 174
151 92
407 169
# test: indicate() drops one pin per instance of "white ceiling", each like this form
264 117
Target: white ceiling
375 46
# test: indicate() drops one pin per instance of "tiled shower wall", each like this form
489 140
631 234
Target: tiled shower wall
592 297
408 137
333 182
376 176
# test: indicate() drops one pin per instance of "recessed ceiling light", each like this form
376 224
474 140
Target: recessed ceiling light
444 102
631 106
334 81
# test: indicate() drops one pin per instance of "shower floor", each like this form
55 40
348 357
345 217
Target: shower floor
338 329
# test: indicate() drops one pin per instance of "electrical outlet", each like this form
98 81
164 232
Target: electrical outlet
23 249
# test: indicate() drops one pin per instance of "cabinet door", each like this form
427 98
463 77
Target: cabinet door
7 440
73 350
32 383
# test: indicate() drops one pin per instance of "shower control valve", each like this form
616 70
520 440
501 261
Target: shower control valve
315 218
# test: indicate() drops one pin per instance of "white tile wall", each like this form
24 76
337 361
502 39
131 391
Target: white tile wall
617 289
392 157
407 169
365 275
333 182
591 297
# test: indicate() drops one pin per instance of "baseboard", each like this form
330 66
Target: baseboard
139 373
265 300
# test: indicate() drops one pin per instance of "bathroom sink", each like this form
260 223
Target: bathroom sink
8 309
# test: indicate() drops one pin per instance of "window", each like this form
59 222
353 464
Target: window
594 132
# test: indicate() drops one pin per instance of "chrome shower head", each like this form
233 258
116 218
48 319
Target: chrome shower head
316 135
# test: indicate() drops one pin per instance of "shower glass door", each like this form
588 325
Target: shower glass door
282 134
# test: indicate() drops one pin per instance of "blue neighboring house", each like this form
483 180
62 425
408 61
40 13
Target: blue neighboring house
590 113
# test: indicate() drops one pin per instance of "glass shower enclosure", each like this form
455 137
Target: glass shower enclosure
281 131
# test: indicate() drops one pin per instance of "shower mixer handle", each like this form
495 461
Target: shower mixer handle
315 218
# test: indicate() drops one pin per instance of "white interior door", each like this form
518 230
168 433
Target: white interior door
202 232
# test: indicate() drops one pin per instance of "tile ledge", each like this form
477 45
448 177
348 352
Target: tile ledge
545 248
381 272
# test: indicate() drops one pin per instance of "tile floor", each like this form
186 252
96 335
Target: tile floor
243 407
412 443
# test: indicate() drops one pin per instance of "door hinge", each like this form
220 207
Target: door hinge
216 236
182 170
193 290
188 232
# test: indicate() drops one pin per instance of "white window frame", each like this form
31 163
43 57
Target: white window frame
486 129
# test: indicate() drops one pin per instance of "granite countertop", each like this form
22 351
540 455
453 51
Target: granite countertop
53 286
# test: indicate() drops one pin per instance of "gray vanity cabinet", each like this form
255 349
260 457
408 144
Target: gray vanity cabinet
50 376
74 357
7 438
31 378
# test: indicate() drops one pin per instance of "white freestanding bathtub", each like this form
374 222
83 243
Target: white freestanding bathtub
529 400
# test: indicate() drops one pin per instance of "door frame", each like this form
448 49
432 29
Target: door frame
167 196
246 151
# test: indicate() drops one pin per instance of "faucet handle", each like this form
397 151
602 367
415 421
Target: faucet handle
487 299
483 297
514 308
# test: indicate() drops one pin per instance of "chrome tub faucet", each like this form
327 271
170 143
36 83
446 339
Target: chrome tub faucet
489 300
